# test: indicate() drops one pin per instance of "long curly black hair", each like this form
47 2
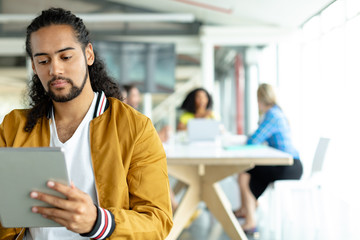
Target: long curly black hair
189 102
39 101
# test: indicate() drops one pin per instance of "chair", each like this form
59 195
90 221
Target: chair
282 192
317 165
319 157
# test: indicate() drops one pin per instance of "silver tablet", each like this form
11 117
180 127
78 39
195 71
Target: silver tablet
23 170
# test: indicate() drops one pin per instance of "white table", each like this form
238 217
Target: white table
201 166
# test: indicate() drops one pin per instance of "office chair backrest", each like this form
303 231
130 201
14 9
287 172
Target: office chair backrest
319 156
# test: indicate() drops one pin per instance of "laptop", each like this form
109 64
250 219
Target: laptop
23 170
202 129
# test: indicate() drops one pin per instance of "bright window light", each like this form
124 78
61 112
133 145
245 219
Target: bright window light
352 8
328 92
333 16
268 65
311 29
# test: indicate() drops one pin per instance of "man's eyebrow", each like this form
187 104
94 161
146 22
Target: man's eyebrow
61 50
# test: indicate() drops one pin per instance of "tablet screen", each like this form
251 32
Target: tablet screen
23 170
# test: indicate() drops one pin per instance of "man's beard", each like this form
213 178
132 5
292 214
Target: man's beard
74 91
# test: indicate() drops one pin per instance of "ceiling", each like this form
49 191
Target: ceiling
15 15
282 13
271 13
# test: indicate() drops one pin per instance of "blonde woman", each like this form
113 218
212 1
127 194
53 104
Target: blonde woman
275 131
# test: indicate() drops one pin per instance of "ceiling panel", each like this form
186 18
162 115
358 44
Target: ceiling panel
274 13
282 13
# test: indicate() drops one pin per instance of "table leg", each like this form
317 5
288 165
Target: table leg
204 188
190 201
217 201
219 206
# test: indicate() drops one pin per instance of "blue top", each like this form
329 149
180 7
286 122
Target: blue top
275 130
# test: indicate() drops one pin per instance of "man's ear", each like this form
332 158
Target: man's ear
33 66
89 54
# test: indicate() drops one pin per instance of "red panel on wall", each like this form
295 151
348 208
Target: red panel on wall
240 93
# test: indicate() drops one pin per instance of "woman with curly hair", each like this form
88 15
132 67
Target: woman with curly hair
197 104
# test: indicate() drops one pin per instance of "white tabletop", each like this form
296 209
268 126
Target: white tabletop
214 154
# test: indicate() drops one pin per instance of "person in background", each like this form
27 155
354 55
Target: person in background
122 92
275 131
133 97
197 104
115 159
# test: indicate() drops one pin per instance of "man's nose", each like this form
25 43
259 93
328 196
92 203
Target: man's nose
56 68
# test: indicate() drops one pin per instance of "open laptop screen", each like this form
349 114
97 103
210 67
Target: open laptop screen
202 129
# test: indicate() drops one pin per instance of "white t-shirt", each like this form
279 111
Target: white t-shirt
79 165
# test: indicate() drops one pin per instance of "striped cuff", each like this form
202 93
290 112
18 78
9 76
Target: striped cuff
104 225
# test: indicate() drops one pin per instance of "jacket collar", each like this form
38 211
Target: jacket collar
101 105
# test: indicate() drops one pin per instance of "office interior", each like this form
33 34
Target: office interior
308 50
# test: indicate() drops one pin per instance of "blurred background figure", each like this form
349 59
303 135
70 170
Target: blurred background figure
275 131
133 96
123 92
197 104
164 133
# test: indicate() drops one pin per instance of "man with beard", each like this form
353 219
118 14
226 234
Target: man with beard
116 162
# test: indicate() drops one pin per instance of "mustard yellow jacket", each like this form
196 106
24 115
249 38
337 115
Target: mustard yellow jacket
129 165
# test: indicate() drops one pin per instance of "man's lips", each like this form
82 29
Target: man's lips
59 83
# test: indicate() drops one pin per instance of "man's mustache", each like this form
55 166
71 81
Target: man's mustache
59 78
